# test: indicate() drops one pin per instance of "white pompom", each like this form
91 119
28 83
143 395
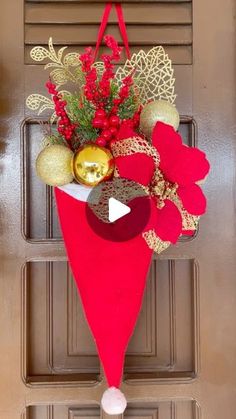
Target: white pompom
113 401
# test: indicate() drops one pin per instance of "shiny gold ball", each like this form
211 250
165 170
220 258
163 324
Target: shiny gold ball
92 164
159 110
54 165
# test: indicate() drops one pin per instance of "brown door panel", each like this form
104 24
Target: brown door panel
181 361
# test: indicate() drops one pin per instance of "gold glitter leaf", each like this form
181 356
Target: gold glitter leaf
40 103
35 102
60 52
62 72
39 53
52 50
153 75
59 76
72 59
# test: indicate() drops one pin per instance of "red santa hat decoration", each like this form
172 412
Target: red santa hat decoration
118 131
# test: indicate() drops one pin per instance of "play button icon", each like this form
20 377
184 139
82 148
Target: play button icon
117 210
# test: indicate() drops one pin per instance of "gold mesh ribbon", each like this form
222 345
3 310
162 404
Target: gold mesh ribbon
159 188
123 189
135 145
154 242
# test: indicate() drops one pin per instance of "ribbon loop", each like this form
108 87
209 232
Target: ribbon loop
122 27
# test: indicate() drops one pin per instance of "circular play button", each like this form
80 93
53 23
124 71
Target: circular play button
118 210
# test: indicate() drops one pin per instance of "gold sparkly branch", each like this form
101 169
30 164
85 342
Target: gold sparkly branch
153 75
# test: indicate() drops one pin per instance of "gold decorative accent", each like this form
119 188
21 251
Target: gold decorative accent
40 103
62 72
92 164
54 165
116 172
65 69
159 186
154 242
159 110
153 75
190 222
134 145
162 188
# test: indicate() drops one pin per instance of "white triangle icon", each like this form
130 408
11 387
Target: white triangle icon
117 209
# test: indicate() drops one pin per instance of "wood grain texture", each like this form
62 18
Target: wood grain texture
202 87
76 24
165 345
86 35
79 13
182 409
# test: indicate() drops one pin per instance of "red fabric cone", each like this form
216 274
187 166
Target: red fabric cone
111 279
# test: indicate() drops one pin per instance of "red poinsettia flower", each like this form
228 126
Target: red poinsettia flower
181 167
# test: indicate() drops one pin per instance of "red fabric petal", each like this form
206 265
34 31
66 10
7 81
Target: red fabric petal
137 167
168 144
190 166
179 163
188 232
193 199
126 131
168 225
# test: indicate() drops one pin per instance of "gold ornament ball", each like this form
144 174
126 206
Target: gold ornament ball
54 165
92 164
159 110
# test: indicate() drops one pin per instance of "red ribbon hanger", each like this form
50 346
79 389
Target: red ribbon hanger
122 27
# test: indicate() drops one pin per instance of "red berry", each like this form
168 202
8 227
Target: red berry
114 120
100 113
97 123
113 131
101 141
106 134
106 124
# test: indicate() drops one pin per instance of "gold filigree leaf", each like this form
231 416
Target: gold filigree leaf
99 65
40 103
53 118
72 59
49 65
35 102
154 75
43 108
59 76
60 52
62 72
65 92
39 53
52 51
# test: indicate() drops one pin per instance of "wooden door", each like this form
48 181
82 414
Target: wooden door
181 362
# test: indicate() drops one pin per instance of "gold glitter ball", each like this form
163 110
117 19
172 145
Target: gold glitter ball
159 110
92 164
54 165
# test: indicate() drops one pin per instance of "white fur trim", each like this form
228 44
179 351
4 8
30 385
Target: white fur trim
78 192
113 401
